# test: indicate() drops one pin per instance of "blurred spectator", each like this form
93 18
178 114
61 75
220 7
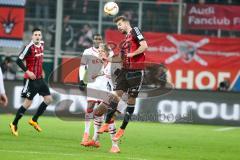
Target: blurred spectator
67 34
52 31
131 16
9 69
224 85
84 37
42 9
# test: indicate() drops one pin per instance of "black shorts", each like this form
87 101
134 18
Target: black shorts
32 87
129 81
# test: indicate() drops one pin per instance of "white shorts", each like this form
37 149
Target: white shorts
98 91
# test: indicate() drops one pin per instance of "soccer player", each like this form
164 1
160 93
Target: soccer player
32 54
3 97
91 64
130 77
106 86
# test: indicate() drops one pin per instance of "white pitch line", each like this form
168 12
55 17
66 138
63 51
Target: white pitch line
225 129
66 154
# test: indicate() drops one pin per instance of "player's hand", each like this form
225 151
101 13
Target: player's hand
31 75
82 85
3 100
129 55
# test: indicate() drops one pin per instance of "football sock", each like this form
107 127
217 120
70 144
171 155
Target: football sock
112 132
88 117
127 116
111 110
40 111
19 115
97 124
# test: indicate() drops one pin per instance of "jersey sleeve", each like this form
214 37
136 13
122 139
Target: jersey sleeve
25 51
84 58
137 34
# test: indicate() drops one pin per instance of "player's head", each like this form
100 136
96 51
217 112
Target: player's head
97 39
104 50
36 35
122 23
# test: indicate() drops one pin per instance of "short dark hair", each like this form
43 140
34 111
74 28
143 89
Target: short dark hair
36 29
123 18
97 35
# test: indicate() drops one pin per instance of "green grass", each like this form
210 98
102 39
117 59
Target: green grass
151 141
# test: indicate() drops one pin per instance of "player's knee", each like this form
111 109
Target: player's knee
130 110
131 100
133 94
119 93
100 110
90 104
27 103
113 101
89 110
48 100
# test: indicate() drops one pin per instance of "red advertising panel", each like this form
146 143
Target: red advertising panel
11 22
12 15
194 62
224 17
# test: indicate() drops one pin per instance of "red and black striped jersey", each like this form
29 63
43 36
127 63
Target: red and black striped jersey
129 45
33 55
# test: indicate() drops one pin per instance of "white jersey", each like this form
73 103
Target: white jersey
93 63
2 89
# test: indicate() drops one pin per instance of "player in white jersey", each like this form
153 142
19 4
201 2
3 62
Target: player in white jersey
91 64
3 97
106 87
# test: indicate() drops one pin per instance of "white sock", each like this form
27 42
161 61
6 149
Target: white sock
88 117
97 124
112 132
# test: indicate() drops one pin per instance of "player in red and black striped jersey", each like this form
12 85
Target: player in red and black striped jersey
32 54
130 77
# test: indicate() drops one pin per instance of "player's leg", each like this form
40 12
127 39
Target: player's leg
28 93
112 131
120 87
14 125
135 79
47 99
88 117
126 119
98 119
42 107
113 103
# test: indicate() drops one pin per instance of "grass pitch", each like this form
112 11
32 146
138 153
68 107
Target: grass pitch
60 140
